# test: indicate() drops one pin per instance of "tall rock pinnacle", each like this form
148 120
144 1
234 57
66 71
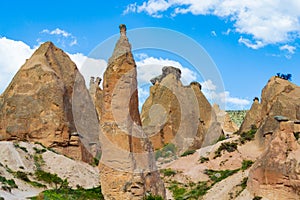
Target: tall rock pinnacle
127 164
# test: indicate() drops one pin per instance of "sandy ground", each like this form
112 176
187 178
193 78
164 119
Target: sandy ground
76 172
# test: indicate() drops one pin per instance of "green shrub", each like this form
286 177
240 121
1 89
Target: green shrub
217 176
203 159
16 145
8 182
226 146
221 138
248 136
178 192
50 178
22 175
168 172
39 151
38 161
188 152
71 194
297 135
199 190
246 164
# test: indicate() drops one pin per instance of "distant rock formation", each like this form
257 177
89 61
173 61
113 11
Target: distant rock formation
37 105
178 114
127 166
223 117
279 97
96 94
276 174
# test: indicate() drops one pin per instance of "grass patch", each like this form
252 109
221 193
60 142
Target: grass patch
50 179
38 161
225 146
8 182
153 197
16 145
217 176
248 136
39 151
168 172
243 186
246 164
188 152
203 159
71 194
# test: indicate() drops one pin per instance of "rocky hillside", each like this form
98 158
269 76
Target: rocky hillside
27 169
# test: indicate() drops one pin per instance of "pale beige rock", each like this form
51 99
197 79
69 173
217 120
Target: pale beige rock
224 119
37 105
253 117
178 114
127 164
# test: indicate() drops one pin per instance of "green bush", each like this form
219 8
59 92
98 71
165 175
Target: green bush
246 164
50 178
71 194
8 182
188 152
226 146
22 175
168 172
217 176
39 151
168 150
203 159
248 136
16 145
221 138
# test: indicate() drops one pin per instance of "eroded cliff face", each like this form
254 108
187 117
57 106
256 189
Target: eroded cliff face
276 174
127 166
223 117
178 114
37 105
279 97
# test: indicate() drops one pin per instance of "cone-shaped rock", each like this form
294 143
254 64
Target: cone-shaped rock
37 105
127 167
178 114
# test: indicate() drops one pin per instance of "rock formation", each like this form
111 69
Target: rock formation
223 117
178 114
276 174
37 105
96 94
127 166
279 97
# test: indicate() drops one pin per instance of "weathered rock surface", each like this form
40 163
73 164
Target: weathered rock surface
223 117
37 105
279 98
276 174
127 164
178 114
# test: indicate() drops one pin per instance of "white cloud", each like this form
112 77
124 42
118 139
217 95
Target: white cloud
62 36
250 44
89 66
290 49
208 85
13 55
267 21
150 67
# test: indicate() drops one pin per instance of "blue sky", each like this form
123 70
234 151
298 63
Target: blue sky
248 41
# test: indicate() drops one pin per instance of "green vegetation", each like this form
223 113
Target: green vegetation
71 194
39 151
168 150
20 147
178 192
257 198
51 179
237 116
203 159
24 177
246 164
249 135
38 161
297 135
226 146
168 172
221 138
7 183
217 176
153 197
243 186
188 152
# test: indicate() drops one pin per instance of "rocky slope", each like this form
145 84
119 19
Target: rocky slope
19 160
127 164
38 105
178 114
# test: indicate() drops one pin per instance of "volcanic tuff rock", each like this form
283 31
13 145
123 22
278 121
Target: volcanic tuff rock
279 97
276 174
223 117
127 167
37 105
178 114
